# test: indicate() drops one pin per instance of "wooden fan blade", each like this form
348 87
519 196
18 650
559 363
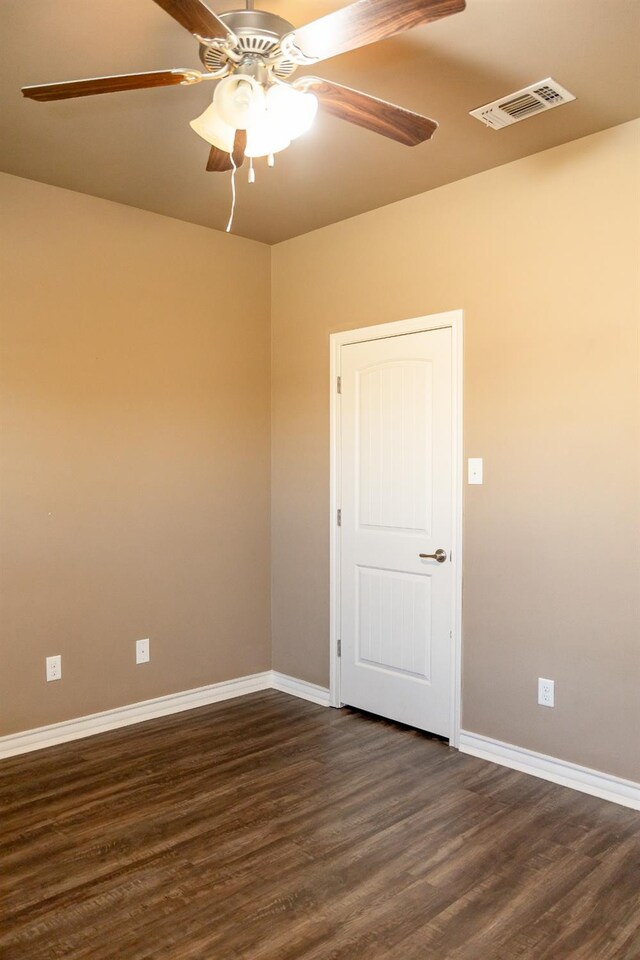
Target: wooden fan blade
220 161
128 81
239 147
369 112
365 22
196 17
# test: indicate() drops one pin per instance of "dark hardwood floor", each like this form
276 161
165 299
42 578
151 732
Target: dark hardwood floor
267 828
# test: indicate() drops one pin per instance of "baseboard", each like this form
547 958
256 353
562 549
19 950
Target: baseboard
133 713
597 784
301 689
602 785
49 736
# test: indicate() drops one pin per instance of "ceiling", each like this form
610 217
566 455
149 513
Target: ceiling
137 148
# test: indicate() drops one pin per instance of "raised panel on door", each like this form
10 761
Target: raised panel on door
394 621
394 445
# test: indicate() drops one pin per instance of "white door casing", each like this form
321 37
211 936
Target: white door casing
395 472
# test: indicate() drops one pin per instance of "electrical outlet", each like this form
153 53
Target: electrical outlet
54 668
546 692
142 651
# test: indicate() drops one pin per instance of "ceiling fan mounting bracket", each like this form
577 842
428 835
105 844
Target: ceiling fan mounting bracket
255 36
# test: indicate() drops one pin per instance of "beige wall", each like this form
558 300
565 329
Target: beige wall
543 256
135 451
135 444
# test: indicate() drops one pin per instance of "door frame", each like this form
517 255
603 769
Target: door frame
453 319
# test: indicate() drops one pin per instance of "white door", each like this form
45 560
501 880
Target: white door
396 503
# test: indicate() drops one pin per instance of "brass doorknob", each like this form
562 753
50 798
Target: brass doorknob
440 555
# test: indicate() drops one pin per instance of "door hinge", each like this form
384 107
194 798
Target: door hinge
339 517
339 647
339 384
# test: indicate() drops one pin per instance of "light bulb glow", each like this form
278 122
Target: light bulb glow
264 138
291 111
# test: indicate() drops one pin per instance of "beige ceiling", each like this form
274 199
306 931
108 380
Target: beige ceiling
137 148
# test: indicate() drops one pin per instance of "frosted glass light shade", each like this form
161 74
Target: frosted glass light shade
239 101
215 131
272 120
291 111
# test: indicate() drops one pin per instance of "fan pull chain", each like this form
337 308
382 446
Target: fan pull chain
252 173
271 160
233 192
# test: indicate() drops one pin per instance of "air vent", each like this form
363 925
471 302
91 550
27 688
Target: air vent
522 104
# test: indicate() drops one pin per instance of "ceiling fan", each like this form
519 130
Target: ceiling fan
255 111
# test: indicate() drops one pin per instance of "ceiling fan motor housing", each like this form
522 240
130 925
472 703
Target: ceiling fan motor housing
259 34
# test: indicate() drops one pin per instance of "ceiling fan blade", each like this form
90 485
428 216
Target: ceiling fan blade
364 22
391 121
239 147
128 81
196 17
220 161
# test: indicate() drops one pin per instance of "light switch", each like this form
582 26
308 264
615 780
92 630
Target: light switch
475 469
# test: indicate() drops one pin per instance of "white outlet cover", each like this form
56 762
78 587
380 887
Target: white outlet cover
475 469
546 692
54 668
142 651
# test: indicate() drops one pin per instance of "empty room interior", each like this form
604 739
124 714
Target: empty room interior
320 480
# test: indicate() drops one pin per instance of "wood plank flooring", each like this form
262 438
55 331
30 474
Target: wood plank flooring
267 828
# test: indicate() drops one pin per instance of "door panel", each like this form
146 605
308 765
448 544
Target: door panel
394 617
393 438
395 497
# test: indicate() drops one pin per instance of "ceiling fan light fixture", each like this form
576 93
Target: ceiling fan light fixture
239 100
272 119
213 129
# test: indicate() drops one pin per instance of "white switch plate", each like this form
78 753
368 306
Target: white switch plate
475 469
546 692
54 668
142 651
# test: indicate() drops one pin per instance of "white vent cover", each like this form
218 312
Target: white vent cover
523 103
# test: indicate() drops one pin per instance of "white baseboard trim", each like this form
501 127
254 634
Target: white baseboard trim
301 689
602 785
49 736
